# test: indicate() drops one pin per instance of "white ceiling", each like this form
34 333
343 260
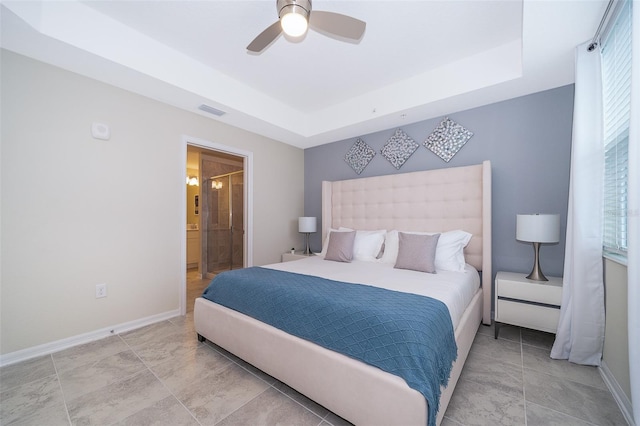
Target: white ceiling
416 60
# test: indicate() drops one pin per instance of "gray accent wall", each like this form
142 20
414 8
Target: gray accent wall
527 140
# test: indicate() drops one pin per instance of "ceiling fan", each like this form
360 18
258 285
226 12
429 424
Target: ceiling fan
295 17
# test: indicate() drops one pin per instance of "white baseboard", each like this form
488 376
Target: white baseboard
618 394
51 347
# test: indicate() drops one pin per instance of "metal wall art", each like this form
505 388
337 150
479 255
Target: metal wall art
399 148
447 139
359 156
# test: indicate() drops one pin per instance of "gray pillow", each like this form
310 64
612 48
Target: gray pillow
340 246
417 252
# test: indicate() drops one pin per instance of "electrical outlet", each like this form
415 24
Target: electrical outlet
101 290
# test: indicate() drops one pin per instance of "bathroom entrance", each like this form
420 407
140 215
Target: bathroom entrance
222 212
215 211
218 216
222 220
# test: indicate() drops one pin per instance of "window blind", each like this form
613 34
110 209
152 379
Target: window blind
616 87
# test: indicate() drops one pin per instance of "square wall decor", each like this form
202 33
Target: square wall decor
447 139
399 148
359 156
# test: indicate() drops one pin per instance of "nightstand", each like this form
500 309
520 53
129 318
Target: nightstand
288 256
527 303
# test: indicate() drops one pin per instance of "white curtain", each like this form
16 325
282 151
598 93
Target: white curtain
580 335
633 230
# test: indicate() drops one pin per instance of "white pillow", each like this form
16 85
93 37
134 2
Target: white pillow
368 244
449 252
391 245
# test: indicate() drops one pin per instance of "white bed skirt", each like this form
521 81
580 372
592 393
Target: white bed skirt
358 392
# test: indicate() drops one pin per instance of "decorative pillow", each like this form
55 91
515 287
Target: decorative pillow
449 252
325 245
340 246
417 252
368 244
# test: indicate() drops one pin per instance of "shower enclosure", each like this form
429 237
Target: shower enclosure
223 222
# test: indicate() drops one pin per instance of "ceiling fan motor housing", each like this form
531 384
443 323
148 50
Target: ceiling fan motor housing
293 21
300 7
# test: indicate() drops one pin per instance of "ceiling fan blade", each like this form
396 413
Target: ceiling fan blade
337 24
265 38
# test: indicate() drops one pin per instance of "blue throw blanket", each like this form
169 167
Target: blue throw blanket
405 334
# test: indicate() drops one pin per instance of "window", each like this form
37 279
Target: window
616 88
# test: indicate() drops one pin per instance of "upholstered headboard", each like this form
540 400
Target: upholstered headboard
430 201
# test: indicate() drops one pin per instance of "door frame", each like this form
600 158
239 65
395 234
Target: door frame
247 199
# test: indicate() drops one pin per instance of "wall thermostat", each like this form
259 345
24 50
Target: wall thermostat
100 131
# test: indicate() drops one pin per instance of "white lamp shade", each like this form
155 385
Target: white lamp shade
538 228
306 224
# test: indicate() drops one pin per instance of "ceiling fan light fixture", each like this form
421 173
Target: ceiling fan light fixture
294 16
294 19
294 24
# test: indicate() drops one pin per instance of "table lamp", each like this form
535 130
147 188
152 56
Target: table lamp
307 225
537 229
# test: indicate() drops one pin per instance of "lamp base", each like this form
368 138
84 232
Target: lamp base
537 276
536 273
307 251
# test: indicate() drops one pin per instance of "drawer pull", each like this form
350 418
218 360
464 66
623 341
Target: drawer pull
528 302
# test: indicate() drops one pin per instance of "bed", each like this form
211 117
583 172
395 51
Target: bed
457 198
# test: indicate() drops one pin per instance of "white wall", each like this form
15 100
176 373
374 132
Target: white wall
78 211
616 336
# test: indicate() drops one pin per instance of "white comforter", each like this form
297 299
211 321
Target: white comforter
454 289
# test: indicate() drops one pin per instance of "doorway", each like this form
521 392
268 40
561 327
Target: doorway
222 214
218 211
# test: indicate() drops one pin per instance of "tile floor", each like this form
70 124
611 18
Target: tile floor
195 287
162 375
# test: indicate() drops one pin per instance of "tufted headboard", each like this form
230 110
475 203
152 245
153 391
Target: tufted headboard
429 201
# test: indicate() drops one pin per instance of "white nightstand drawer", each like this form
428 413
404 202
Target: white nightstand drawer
541 292
526 315
527 303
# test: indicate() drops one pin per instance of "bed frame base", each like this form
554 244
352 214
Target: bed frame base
353 390
358 392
